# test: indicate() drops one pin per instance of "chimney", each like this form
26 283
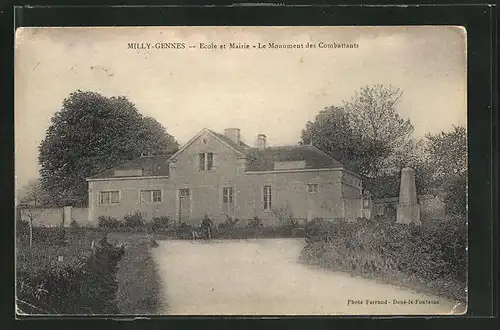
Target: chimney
261 141
233 134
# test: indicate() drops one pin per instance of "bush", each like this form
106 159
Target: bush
134 220
183 231
108 222
160 223
254 223
88 288
428 254
228 224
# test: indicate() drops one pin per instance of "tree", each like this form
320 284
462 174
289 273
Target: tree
373 115
447 154
364 132
331 132
447 159
89 134
32 197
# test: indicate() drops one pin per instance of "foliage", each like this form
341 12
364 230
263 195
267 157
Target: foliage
447 157
159 223
22 226
33 194
427 254
331 132
228 224
134 220
138 297
456 198
86 288
286 221
364 132
89 134
256 222
108 222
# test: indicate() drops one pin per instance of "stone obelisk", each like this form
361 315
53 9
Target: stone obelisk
408 208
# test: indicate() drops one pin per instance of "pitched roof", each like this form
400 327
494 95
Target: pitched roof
150 166
263 160
241 147
258 159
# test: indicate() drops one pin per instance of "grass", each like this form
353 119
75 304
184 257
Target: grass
45 253
138 281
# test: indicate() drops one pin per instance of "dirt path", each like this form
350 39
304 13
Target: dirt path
263 277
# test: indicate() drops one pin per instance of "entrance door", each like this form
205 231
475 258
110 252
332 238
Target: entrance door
184 205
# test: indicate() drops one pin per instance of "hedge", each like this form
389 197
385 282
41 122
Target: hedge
434 255
86 288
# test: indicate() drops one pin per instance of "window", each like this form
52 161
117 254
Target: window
206 161
366 203
184 193
227 199
267 198
109 197
151 196
312 187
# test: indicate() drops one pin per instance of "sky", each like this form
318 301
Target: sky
269 91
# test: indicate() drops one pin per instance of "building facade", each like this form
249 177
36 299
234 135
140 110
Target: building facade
220 176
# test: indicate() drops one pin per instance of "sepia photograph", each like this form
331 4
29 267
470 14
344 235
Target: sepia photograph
265 171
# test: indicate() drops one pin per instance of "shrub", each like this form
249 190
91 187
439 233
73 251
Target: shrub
160 223
429 254
228 224
134 220
183 231
254 223
108 222
87 288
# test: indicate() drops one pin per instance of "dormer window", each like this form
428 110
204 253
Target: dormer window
290 165
206 161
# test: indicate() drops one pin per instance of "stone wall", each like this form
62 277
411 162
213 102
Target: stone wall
53 217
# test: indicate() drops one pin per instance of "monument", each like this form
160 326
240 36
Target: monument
408 210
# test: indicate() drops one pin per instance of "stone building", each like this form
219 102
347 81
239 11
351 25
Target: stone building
221 176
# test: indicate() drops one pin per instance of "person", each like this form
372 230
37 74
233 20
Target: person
206 226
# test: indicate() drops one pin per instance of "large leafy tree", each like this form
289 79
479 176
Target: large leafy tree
447 163
447 153
364 132
89 134
331 132
374 116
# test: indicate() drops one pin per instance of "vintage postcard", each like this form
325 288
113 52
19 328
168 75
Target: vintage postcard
241 170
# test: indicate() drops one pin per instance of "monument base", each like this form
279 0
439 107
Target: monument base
408 213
